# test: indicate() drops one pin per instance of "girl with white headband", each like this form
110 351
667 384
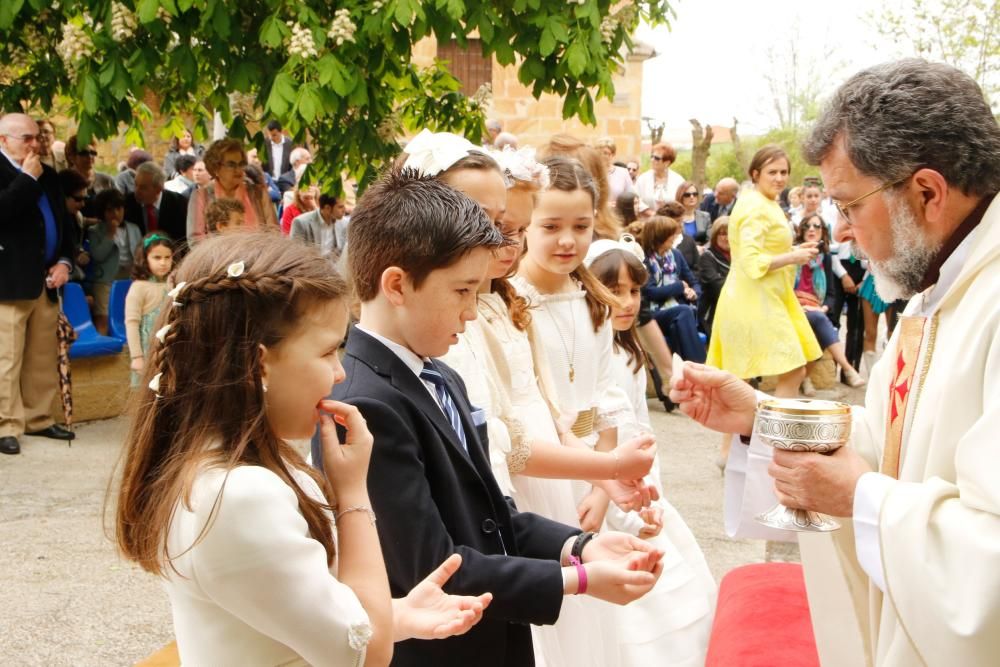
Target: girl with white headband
504 376
671 624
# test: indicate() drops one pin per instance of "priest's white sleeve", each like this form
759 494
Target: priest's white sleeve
869 494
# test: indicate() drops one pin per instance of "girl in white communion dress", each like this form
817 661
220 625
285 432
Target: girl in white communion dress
671 624
266 562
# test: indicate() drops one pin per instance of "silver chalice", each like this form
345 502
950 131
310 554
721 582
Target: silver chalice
802 425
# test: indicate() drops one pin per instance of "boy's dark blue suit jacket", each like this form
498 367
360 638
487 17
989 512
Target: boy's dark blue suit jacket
433 499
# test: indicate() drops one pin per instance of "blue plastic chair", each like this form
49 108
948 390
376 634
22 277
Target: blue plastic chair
116 310
89 342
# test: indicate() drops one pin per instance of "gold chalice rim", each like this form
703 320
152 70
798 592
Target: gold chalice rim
779 406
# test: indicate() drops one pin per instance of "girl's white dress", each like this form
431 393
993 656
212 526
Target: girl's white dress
256 589
671 624
585 633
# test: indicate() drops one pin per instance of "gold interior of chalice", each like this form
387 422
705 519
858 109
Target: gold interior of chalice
802 425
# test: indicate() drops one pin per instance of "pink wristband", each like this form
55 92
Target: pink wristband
581 575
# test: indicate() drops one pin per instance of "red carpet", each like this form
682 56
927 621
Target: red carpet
762 619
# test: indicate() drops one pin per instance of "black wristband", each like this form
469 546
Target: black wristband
580 543
745 439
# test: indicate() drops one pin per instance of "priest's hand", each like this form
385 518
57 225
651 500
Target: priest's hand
714 398
811 481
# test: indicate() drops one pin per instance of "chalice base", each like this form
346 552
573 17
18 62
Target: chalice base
803 521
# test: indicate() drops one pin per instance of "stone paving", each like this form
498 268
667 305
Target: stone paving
68 599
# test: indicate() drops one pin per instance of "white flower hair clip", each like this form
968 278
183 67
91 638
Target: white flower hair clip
154 384
431 153
521 165
626 243
235 269
176 292
161 335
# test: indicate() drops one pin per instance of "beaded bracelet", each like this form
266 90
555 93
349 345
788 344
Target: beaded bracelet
356 508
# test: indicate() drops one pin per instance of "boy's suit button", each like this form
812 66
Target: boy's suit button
489 526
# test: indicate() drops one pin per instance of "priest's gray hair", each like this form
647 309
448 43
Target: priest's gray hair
898 117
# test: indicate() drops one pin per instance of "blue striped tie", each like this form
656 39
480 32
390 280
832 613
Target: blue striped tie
431 374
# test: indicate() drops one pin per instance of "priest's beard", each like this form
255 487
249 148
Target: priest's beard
900 276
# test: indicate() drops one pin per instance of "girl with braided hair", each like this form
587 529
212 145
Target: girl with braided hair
265 560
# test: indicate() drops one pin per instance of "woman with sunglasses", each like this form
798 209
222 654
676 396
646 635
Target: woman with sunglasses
659 185
226 161
760 329
815 290
694 223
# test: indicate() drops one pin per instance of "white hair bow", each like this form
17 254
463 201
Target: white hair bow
520 165
626 243
430 153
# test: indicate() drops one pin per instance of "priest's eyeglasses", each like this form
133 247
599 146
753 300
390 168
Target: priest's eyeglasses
844 209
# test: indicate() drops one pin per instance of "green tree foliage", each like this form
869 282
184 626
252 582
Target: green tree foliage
722 161
338 75
962 33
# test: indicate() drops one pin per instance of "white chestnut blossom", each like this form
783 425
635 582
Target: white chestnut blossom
164 15
75 46
343 28
377 6
608 26
483 97
301 42
123 22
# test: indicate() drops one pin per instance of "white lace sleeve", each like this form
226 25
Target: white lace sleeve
500 449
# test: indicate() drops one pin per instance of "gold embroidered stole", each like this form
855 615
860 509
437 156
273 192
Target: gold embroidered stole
906 381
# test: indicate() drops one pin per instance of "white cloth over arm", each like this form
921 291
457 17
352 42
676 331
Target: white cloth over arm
256 590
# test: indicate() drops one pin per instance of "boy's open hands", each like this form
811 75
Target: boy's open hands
620 567
427 612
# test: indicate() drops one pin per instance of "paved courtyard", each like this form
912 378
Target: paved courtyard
68 599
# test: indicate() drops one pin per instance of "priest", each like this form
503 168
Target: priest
910 151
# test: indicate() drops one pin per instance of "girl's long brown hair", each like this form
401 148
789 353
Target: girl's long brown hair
569 175
210 410
606 268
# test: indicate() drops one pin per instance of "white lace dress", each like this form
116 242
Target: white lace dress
584 635
671 624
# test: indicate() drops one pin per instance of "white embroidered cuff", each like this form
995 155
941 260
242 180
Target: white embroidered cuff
869 494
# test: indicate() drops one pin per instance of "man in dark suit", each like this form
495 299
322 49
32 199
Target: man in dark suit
279 151
720 202
36 244
153 208
429 479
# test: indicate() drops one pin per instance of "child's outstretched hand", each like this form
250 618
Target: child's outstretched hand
345 465
427 612
652 516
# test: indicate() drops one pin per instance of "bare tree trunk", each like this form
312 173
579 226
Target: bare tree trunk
741 158
701 145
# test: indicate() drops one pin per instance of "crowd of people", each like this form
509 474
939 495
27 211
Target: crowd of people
511 302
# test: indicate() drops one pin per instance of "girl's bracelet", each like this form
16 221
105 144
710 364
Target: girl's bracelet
618 463
356 508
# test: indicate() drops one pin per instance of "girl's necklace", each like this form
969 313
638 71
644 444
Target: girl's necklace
570 350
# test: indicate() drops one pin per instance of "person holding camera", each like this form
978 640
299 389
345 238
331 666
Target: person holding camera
815 288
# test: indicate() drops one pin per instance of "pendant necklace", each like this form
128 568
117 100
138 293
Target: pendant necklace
570 349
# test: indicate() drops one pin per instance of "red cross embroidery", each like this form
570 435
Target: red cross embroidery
901 389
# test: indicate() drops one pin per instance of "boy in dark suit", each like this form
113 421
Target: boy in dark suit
419 250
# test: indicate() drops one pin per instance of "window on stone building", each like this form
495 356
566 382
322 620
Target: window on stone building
468 64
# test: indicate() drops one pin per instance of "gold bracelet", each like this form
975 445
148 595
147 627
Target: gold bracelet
357 508
617 463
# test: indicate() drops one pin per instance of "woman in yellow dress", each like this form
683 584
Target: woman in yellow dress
760 329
